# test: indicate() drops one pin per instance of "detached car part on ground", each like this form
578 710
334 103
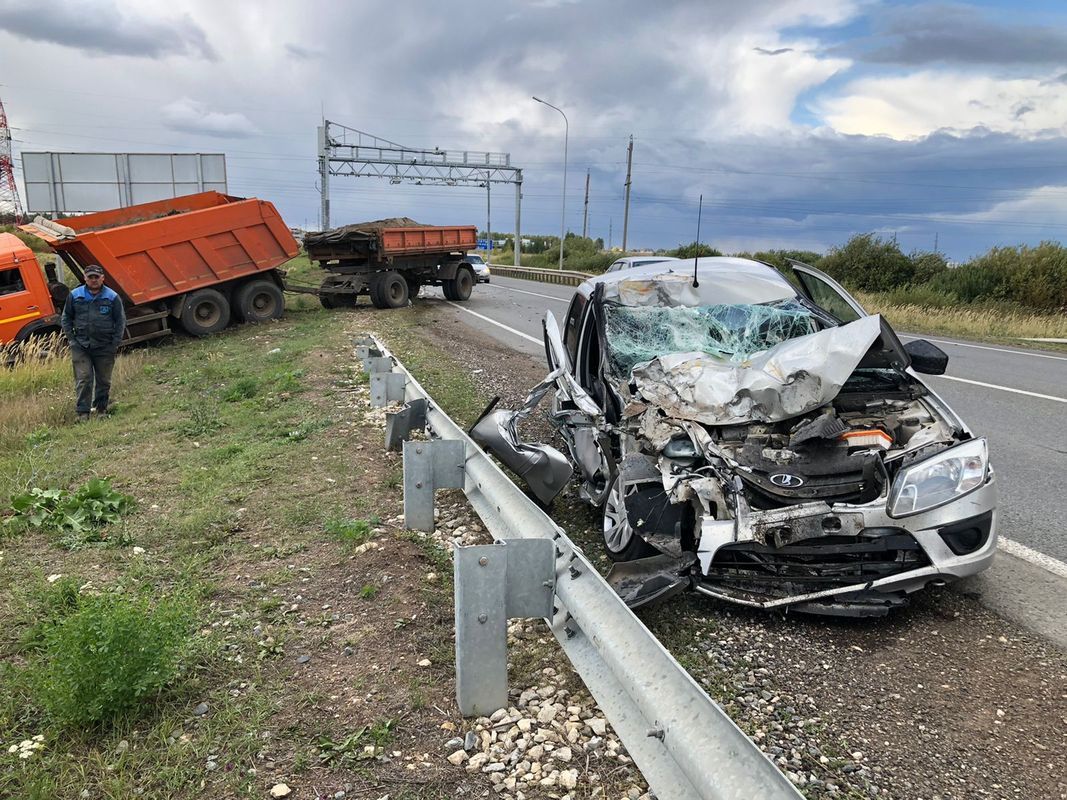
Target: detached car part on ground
764 444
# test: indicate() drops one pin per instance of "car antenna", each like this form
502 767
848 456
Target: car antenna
696 250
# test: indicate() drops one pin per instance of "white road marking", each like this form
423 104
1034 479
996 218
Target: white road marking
1053 565
498 324
535 294
1005 388
987 347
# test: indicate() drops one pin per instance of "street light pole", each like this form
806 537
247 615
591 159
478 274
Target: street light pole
563 212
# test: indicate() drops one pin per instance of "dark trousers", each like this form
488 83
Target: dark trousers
92 366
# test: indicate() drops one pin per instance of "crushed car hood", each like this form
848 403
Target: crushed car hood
792 378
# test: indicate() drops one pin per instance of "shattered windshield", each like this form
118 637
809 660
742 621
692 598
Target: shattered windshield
637 334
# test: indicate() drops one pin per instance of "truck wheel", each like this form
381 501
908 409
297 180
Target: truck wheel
413 287
461 286
259 301
389 290
206 311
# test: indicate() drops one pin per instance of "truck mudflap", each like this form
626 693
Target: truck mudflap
651 580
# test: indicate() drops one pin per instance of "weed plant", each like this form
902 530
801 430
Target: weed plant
350 531
110 658
80 516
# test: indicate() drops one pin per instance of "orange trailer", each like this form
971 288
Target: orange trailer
391 260
201 260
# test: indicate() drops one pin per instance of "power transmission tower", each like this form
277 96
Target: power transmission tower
626 212
9 193
585 214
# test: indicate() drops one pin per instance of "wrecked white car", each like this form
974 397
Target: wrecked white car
764 444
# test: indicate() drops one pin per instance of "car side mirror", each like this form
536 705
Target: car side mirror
926 358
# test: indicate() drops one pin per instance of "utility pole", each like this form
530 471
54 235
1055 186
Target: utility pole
626 213
935 242
324 176
488 228
585 214
609 234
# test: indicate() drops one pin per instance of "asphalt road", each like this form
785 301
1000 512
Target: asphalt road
1016 397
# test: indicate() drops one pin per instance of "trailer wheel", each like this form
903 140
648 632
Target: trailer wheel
206 311
259 301
389 290
414 286
461 286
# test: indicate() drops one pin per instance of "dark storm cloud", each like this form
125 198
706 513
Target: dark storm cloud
818 190
104 29
930 34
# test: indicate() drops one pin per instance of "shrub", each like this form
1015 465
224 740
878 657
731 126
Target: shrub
869 262
694 250
110 658
927 266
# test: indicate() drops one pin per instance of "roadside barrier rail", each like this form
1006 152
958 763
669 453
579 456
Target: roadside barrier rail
565 277
686 747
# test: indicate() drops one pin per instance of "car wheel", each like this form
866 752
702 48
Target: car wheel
620 541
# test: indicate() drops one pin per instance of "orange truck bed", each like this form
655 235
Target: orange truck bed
404 241
153 251
376 243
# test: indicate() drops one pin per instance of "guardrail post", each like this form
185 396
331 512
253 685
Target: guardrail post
386 388
400 424
436 464
495 583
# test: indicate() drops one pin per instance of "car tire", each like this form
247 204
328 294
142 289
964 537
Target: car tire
259 301
620 541
206 311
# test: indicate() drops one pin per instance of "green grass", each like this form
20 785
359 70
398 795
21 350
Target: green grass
212 436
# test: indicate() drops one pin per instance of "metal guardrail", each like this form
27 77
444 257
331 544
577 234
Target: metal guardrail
686 747
565 277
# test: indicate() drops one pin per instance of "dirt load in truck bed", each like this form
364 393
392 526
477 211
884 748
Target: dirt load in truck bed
361 229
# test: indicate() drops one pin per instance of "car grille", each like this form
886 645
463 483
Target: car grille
812 565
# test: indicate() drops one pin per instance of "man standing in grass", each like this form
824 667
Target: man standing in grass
93 322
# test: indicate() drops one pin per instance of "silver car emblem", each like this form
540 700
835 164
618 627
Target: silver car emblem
787 481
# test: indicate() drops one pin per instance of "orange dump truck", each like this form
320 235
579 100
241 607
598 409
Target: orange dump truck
390 260
198 261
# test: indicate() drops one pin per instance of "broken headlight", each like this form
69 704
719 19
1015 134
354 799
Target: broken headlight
939 479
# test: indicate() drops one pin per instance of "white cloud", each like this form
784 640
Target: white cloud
190 116
915 105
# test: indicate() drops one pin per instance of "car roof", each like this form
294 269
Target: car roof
723 280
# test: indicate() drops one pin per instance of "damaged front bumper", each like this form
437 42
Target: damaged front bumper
844 559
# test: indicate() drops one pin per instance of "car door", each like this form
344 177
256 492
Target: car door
576 413
19 306
826 293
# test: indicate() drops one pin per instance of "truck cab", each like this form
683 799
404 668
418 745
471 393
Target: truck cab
26 307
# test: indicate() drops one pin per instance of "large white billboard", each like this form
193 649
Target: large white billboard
70 183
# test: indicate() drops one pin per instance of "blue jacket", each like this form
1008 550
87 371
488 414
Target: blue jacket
94 323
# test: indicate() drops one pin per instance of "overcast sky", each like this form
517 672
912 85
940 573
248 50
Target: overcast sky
800 122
